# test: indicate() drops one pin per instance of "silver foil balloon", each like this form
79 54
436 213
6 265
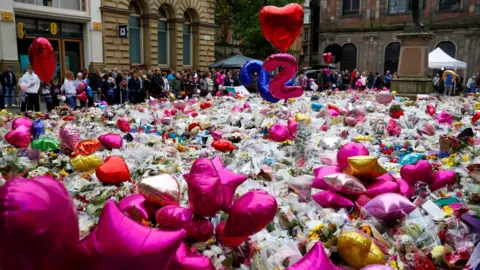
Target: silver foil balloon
162 189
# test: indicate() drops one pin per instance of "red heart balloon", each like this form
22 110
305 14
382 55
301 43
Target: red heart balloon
113 171
42 57
281 26
327 57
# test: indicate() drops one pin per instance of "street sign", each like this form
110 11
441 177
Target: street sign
123 31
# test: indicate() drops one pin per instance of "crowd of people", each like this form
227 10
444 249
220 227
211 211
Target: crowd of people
111 86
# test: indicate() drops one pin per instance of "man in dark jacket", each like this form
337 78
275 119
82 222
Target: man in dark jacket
95 83
9 81
157 83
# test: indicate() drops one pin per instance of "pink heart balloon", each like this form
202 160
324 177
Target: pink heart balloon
69 137
123 125
405 188
229 180
38 225
111 141
350 150
173 217
217 134
389 206
384 97
20 137
292 126
137 207
378 187
119 242
204 188
332 112
21 121
320 172
385 177
186 259
315 259
279 132
443 178
420 171
250 213
330 199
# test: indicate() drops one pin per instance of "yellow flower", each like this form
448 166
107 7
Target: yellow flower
465 158
63 172
450 163
313 236
453 155
437 251
448 211
394 265
444 160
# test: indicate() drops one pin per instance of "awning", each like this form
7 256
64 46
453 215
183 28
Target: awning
439 59
236 61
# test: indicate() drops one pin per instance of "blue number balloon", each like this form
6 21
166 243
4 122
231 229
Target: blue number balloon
38 129
256 66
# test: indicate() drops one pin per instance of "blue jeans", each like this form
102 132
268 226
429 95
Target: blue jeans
71 102
9 93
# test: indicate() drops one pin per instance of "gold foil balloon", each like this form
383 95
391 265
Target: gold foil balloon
162 189
358 250
299 117
362 139
364 167
85 163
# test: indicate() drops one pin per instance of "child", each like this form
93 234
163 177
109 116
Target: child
47 96
55 92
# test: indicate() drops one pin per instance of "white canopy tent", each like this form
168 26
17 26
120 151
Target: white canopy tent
438 59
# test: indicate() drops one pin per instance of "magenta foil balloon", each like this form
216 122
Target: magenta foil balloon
137 207
320 172
377 267
20 137
119 242
173 217
229 180
123 125
385 177
443 178
330 199
315 259
186 259
204 188
389 206
420 171
21 121
250 213
405 188
38 225
69 138
279 132
378 187
217 134
111 141
292 127
350 150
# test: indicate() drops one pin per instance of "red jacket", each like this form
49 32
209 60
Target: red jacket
352 76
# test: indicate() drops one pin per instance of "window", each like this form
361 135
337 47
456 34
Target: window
305 50
306 18
397 6
162 38
351 7
449 5
448 47
68 4
349 57
187 40
305 35
392 54
135 35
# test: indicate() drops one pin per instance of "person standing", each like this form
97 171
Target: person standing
363 79
134 88
47 96
79 80
436 83
210 83
202 85
448 84
55 92
471 85
108 88
229 79
387 79
69 90
30 78
370 80
95 83
171 76
377 83
157 84
9 87
166 83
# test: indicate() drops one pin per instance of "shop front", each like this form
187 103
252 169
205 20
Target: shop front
65 37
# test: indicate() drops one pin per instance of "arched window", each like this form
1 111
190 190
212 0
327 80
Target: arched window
397 6
351 7
349 57
187 40
135 34
163 37
448 47
392 54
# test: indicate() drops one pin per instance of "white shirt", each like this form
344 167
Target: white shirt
31 79
69 88
167 85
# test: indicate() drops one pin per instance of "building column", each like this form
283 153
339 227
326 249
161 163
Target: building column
206 53
178 49
466 52
150 33
93 45
8 37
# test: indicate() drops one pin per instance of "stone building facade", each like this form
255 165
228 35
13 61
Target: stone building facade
364 31
181 21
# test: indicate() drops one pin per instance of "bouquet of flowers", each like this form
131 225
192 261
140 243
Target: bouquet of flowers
396 111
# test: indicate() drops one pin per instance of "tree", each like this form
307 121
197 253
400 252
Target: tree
245 25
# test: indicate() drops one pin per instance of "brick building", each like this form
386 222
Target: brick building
175 34
364 31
